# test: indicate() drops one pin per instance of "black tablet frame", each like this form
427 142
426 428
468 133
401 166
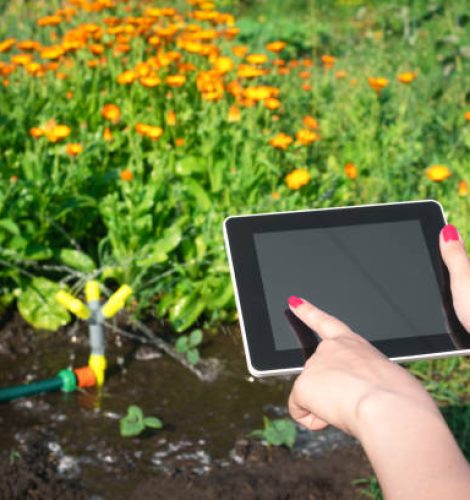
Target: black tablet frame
262 356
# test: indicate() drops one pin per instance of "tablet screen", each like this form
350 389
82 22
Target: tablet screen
377 278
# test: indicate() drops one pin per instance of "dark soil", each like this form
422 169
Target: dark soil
68 445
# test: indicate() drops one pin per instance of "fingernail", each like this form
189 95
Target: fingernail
450 233
294 301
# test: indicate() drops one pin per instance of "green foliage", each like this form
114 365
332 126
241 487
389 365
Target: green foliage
38 306
188 344
369 487
278 432
135 422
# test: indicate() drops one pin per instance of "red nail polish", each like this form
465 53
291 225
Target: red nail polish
450 233
294 301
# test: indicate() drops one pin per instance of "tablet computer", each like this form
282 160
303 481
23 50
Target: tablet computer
376 267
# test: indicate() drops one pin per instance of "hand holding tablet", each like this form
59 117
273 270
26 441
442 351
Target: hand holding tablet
377 268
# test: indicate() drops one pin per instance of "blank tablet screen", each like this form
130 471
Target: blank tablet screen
377 278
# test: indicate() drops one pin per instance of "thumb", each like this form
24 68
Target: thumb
455 257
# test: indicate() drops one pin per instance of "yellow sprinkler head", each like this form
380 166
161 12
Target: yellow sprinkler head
98 363
92 291
116 302
74 305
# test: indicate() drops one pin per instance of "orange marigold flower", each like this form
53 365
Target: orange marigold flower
307 87
407 77
53 52
438 173
350 170
234 114
179 141
298 178
21 59
310 122
240 50
111 112
36 132
223 65
126 175
275 195
257 58
150 81
248 71
127 77
57 133
377 83
7 45
175 80
28 45
328 61
259 93
150 131
281 141
277 46
171 118
306 136
272 103
107 135
463 188
49 21
466 115
340 74
69 94
74 148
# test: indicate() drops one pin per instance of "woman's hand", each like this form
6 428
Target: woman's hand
347 373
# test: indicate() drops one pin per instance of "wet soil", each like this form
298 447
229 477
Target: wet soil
60 445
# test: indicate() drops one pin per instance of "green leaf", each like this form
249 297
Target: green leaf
9 226
37 251
257 433
186 311
190 165
182 344
133 423
158 251
77 260
195 189
221 294
153 422
281 432
38 306
216 176
192 356
163 305
195 338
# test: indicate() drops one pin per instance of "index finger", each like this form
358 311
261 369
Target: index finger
324 324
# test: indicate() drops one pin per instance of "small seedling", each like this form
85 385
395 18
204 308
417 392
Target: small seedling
187 344
279 432
135 422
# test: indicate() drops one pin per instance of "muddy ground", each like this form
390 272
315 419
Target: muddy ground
68 445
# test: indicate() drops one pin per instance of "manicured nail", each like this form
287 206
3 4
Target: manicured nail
450 233
294 301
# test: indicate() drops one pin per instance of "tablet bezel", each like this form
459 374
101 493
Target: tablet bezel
262 357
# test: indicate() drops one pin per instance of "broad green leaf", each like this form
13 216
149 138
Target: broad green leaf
135 411
133 423
192 356
190 165
38 252
76 260
195 189
281 432
221 295
195 338
9 226
163 305
186 311
38 306
216 176
158 251
182 344
153 422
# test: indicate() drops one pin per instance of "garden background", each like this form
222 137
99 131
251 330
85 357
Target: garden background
130 130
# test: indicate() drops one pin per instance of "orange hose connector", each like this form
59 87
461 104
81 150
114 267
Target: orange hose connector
85 377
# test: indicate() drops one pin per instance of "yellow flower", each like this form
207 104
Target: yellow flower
407 77
257 58
49 21
298 178
234 114
7 45
272 103
127 77
350 170
74 148
466 115
305 136
438 173
310 122
223 65
57 132
328 61
150 81
175 80
111 112
377 83
171 118
149 131
276 46
281 141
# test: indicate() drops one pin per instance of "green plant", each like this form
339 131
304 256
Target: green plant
370 487
135 422
187 344
279 432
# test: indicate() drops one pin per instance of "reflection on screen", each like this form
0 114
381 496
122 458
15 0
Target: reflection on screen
378 278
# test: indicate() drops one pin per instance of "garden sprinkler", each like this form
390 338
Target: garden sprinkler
87 376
